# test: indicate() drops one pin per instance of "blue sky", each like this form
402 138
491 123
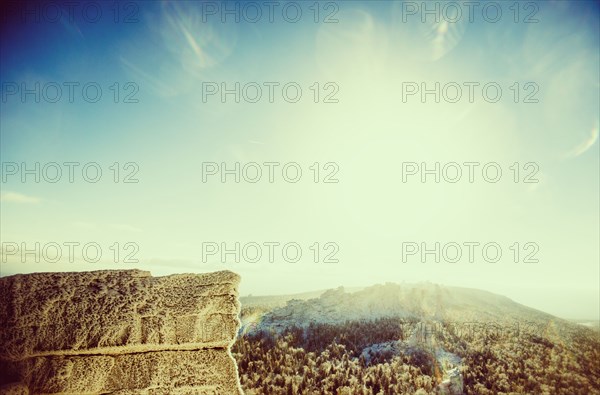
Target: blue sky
174 49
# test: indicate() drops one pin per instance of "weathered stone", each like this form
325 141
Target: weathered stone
200 370
14 389
115 311
121 332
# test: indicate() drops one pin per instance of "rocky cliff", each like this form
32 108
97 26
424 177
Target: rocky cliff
118 332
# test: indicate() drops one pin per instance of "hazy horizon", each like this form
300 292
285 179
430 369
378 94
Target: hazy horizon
541 302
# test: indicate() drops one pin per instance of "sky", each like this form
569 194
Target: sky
336 105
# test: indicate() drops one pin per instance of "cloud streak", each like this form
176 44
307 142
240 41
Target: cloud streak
19 198
585 145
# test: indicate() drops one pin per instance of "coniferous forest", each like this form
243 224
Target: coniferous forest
387 356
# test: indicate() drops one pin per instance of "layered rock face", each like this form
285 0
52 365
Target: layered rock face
118 332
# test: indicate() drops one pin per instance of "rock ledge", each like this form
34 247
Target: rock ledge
118 332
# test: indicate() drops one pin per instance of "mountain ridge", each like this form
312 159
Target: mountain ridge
415 302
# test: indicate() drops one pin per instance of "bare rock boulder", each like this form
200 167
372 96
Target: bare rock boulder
118 332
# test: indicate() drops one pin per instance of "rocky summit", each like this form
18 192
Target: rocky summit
118 332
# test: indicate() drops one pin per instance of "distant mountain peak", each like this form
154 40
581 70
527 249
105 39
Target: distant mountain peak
423 301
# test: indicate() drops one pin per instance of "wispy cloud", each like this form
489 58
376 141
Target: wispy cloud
103 227
125 227
14 197
84 225
585 145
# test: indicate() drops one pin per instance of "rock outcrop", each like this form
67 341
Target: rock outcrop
118 332
452 383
